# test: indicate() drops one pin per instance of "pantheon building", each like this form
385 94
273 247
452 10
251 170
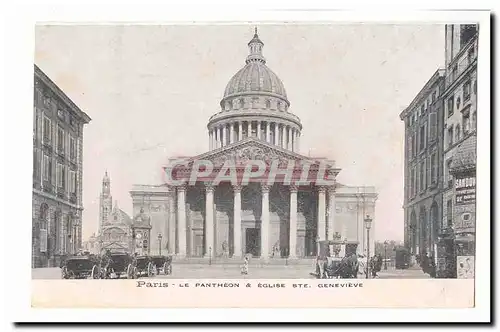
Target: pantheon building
267 221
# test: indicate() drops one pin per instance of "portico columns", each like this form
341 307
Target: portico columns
264 228
293 222
210 140
321 213
240 131
237 221
209 220
331 212
181 219
258 130
249 130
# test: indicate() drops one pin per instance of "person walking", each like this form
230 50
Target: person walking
244 268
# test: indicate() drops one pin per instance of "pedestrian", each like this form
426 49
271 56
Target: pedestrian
425 263
244 268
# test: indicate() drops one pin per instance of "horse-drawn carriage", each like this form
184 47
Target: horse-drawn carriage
336 259
162 264
80 267
114 265
144 266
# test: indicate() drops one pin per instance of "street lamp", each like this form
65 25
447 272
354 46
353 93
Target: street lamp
385 255
159 244
368 225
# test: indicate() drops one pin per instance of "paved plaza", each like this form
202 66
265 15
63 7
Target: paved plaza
200 271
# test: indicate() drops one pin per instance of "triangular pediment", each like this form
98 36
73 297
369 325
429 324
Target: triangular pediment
252 149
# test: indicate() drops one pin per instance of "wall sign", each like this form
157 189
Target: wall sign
465 190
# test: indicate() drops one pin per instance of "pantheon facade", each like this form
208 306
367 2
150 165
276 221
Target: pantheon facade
268 221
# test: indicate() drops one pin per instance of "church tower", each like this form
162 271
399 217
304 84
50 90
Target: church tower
105 202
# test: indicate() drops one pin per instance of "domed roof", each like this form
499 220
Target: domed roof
255 76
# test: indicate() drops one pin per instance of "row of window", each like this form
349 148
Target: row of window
466 93
62 175
454 134
240 104
50 103
63 145
423 108
423 175
418 141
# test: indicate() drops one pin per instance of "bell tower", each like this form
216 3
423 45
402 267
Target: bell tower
105 202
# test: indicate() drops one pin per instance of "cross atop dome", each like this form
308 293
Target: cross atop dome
255 46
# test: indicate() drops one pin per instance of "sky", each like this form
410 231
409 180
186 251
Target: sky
150 90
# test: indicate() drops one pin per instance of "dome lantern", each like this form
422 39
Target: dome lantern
255 46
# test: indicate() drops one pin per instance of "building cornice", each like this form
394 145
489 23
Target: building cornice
436 78
52 86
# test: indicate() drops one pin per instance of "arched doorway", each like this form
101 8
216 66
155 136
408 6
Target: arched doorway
423 224
413 232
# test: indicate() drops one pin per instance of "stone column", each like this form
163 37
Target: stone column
181 220
292 252
321 213
264 228
331 213
171 221
237 221
231 133
298 141
268 132
276 134
221 142
240 131
209 221
224 135
258 130
289 144
249 130
285 137
210 140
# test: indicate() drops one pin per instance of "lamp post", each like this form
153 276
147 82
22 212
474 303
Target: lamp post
385 255
159 243
368 225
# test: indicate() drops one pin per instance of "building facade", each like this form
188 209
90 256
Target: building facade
57 173
114 224
460 98
267 221
423 167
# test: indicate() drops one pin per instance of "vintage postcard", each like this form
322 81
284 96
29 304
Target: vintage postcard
257 164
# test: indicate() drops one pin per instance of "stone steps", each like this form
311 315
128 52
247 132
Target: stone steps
239 261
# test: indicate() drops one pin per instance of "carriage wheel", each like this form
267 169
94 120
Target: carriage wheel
135 273
64 272
71 275
165 268
169 269
95 272
150 272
